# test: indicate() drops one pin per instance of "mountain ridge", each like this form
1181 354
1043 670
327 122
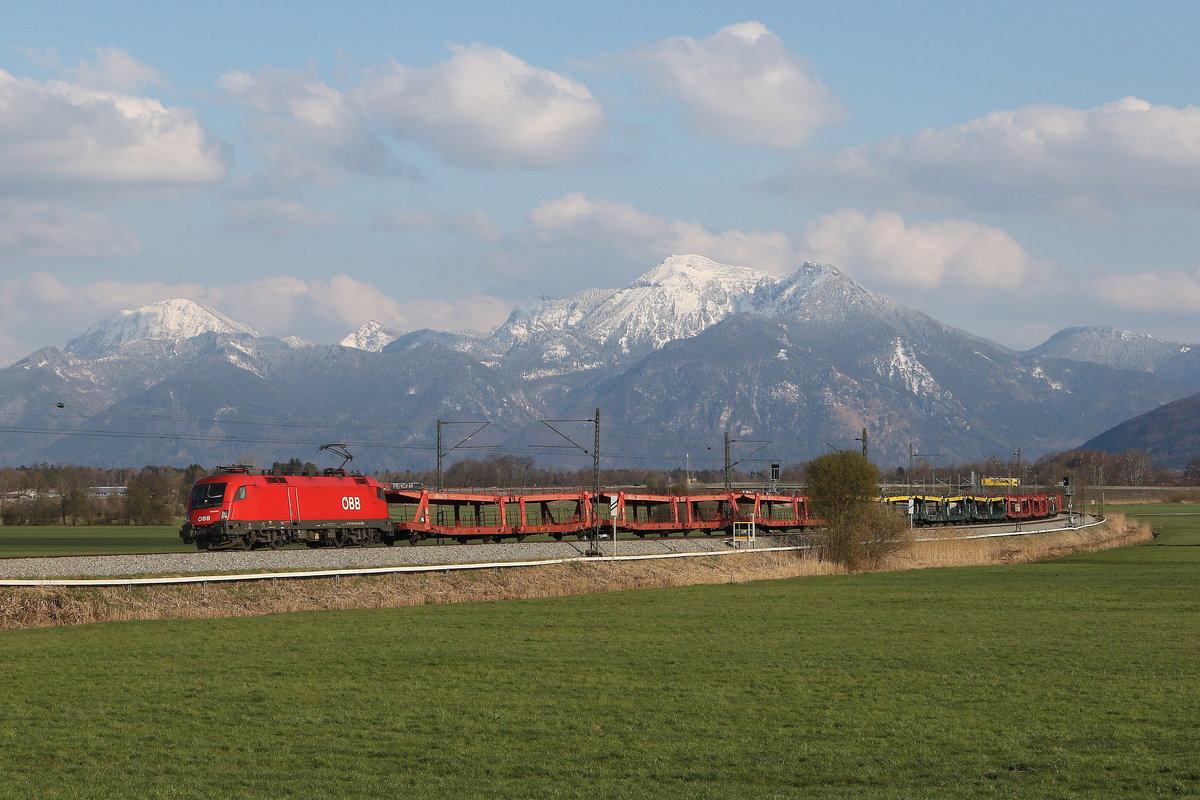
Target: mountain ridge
685 352
167 320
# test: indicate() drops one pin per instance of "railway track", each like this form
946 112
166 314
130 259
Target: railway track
302 558
309 559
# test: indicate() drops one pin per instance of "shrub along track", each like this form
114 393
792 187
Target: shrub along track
25 607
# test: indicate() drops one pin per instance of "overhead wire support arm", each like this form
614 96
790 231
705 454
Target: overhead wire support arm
594 452
574 443
443 453
729 465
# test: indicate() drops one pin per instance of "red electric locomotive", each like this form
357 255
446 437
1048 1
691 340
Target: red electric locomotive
236 509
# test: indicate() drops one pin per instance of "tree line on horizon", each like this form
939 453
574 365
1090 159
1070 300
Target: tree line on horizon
52 494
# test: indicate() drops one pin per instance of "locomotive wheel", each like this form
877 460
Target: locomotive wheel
276 541
338 540
244 542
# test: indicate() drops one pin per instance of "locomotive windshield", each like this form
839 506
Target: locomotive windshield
207 495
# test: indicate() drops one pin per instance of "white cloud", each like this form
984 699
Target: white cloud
274 213
57 136
319 309
929 254
1078 161
485 107
33 308
577 216
603 224
114 68
1160 292
475 225
741 84
305 129
42 230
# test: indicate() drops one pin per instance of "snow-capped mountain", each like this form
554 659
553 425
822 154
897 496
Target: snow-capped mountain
678 299
166 320
688 351
371 336
1110 346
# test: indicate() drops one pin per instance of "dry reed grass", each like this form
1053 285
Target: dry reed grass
1119 531
33 607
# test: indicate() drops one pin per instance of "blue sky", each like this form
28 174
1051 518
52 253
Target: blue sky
305 167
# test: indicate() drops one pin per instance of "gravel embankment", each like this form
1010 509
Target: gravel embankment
301 560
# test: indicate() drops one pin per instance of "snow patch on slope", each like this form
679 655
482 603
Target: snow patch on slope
902 365
1040 373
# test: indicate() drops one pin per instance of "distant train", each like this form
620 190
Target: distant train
241 509
973 509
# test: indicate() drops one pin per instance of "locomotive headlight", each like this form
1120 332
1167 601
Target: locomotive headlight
224 515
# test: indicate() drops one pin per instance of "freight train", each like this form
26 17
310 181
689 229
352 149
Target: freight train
242 509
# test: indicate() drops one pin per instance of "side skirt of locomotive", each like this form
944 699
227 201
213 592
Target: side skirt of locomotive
253 535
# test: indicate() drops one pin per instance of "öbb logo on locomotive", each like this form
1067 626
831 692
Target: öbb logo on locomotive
241 509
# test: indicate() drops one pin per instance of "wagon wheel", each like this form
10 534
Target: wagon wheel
414 537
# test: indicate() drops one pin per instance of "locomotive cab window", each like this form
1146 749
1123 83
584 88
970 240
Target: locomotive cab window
240 494
207 495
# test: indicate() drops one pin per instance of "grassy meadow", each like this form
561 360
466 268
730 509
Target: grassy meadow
73 540
1072 678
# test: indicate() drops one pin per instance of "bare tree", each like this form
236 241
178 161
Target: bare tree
842 488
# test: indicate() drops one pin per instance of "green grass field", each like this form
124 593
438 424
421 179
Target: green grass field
68 540
1066 679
